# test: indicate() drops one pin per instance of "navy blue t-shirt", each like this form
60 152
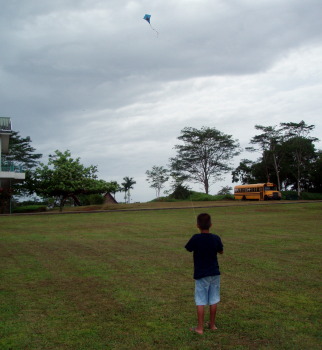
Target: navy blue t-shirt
205 247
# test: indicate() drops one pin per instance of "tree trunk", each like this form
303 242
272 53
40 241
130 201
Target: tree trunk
62 202
298 182
206 184
277 173
76 200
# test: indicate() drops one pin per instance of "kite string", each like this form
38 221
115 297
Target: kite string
193 207
154 30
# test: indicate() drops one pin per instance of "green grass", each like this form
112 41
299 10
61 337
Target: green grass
122 280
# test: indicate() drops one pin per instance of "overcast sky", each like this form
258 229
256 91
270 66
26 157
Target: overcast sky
93 77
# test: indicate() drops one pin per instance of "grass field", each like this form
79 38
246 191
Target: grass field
122 280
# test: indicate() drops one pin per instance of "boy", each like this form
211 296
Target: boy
205 247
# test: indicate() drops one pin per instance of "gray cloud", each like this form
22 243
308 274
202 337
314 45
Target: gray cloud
93 77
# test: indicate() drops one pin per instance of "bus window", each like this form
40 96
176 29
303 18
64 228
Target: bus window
270 188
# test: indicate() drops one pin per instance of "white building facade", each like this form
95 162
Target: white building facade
9 172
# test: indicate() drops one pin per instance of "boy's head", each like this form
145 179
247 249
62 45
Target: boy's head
204 221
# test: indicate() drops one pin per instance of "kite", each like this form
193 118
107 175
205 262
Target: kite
147 18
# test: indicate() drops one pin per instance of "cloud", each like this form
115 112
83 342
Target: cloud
91 76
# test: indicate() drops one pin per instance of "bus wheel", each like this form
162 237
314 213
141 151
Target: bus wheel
265 198
244 198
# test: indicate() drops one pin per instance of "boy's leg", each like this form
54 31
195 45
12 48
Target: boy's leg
214 298
201 296
201 318
212 316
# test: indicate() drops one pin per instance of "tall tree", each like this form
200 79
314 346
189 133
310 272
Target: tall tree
300 148
205 155
288 156
127 186
157 177
244 172
21 155
64 177
269 142
116 187
21 152
315 176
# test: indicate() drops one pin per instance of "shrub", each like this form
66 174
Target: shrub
181 192
292 195
91 199
289 195
311 196
165 199
199 197
30 208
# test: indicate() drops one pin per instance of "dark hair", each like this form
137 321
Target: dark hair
204 221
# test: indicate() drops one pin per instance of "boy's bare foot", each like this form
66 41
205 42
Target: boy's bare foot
213 328
195 329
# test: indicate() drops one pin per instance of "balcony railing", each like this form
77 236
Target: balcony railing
5 124
11 167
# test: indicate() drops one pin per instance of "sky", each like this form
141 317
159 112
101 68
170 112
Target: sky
92 77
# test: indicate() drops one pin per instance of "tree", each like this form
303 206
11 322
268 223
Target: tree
301 150
288 157
116 187
64 177
270 144
225 190
21 152
157 177
127 186
181 191
23 155
244 172
300 154
315 176
205 155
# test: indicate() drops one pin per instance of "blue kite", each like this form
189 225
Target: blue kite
147 18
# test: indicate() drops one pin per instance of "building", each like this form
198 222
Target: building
9 172
109 199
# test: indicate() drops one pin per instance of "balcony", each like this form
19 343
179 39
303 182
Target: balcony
5 125
10 170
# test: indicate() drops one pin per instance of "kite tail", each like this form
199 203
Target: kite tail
154 30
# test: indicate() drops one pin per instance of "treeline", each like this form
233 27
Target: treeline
63 179
287 156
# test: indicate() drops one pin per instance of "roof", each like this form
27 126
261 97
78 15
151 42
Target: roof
5 124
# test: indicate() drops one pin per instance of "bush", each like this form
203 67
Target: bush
30 209
196 197
311 196
165 199
181 192
91 199
289 195
199 197
292 195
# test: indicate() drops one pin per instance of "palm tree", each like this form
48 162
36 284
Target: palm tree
127 185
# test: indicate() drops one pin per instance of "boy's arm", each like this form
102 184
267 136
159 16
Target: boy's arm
190 246
221 247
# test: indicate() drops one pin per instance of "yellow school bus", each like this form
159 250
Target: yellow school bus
261 192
